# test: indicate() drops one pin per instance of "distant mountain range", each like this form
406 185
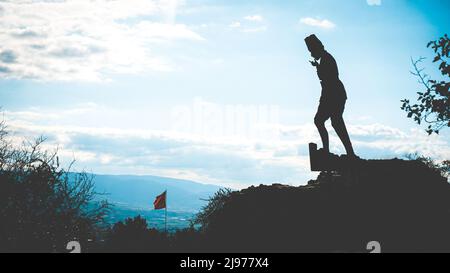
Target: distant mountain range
140 191
133 195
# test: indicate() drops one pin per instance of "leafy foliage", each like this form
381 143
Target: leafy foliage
433 105
43 206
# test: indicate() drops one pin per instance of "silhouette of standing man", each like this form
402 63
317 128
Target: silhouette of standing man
333 98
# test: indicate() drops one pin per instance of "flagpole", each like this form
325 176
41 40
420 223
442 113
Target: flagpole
166 213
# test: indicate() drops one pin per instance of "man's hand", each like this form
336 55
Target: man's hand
314 63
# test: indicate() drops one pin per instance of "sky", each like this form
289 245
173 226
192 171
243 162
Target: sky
217 91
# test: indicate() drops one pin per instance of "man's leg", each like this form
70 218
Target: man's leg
341 130
320 124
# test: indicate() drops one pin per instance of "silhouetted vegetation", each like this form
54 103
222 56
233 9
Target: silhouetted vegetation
443 168
433 104
134 235
44 206
213 208
41 209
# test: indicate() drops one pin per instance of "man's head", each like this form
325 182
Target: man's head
315 46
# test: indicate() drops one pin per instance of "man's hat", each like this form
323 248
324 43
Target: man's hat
313 42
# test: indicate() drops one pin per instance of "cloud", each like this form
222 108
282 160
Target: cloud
4 70
8 56
320 23
228 161
254 18
234 162
114 151
374 2
255 29
250 24
87 40
26 34
235 24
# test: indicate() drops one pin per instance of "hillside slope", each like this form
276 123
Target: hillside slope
140 191
404 205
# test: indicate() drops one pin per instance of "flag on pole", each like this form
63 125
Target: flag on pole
160 201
